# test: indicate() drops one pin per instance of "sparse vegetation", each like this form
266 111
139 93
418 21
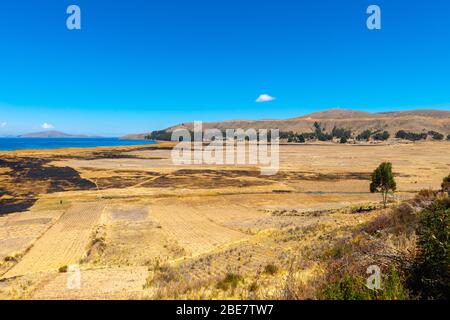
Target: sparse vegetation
253 286
231 280
416 267
270 269
313 235
353 287
365 207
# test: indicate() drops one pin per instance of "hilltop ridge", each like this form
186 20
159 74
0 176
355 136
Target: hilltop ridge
51 134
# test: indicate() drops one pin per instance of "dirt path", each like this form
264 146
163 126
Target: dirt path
64 243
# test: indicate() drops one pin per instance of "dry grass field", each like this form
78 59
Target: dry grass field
140 227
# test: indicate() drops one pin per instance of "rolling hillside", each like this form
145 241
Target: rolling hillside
415 121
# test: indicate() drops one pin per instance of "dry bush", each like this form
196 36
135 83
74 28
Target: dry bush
402 219
423 199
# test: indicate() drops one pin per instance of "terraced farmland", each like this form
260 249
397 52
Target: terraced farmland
63 244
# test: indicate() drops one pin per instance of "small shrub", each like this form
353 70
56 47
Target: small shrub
365 207
62 269
230 280
270 269
10 259
253 286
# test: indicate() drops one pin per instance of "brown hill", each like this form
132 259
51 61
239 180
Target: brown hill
414 120
51 134
337 114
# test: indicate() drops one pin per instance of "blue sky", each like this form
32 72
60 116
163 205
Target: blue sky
142 65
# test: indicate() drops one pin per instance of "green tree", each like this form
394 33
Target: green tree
365 135
383 181
301 138
381 136
436 135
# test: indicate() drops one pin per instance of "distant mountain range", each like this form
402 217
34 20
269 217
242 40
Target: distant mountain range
51 134
419 121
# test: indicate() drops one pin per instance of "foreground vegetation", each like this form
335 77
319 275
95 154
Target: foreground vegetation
416 264
408 241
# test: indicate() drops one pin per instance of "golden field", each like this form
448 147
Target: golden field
140 227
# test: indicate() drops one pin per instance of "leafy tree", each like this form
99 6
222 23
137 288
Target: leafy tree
436 135
292 137
365 135
383 181
402 134
320 134
381 136
317 125
341 133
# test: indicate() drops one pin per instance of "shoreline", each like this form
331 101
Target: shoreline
70 150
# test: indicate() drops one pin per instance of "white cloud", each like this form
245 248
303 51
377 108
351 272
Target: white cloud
3 124
46 125
265 98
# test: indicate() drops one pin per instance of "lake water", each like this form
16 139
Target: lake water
55 143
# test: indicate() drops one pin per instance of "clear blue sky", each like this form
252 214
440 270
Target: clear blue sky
142 65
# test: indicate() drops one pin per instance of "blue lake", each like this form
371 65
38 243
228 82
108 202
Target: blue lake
55 143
